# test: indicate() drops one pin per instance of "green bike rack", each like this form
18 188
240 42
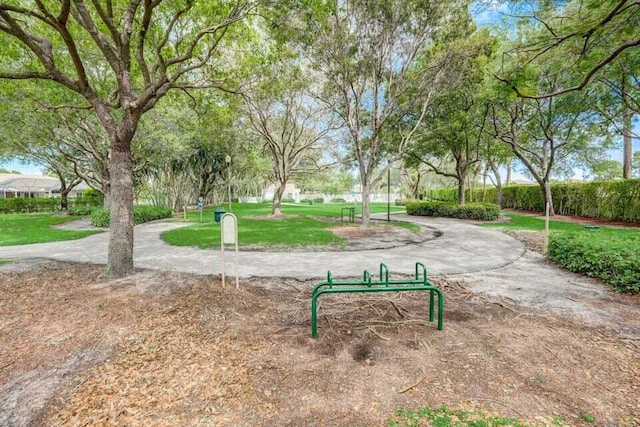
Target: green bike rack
367 284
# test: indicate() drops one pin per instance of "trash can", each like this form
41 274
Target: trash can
217 214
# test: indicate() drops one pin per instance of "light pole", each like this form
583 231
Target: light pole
388 189
228 160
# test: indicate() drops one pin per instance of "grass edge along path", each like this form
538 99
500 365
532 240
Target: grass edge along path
611 254
24 229
445 417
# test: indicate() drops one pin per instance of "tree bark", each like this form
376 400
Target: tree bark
498 182
627 116
64 192
416 187
120 258
277 198
106 195
461 190
366 203
627 155
64 195
548 196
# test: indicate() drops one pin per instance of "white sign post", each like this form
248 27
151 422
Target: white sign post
229 236
200 207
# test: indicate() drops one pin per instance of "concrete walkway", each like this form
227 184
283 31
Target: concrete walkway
462 248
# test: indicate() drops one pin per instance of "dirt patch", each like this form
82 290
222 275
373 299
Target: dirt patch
382 236
355 231
533 240
176 349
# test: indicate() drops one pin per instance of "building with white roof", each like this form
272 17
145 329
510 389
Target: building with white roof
19 185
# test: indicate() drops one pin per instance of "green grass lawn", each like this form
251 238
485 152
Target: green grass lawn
23 229
444 417
524 222
297 231
306 226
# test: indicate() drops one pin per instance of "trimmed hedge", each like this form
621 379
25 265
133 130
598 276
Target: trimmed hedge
481 211
615 260
616 200
29 204
338 200
403 202
43 204
141 214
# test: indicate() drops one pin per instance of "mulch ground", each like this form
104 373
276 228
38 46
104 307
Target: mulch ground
170 349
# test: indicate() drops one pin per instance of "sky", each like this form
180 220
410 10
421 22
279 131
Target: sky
28 168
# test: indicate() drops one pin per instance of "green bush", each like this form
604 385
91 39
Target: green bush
338 200
615 260
288 200
403 202
100 217
141 214
80 209
481 211
318 200
91 197
445 195
27 204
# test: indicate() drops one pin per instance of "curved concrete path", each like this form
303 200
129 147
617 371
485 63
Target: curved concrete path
462 248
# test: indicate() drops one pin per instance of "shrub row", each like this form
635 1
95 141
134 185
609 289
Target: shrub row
141 214
403 202
81 209
19 205
616 200
481 211
42 204
317 200
615 260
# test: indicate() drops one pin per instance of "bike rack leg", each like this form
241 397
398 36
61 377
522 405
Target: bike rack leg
314 316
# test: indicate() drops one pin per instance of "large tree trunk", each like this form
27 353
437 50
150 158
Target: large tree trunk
415 187
508 178
277 198
120 258
548 197
461 190
627 116
106 195
498 182
366 202
64 195
64 201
